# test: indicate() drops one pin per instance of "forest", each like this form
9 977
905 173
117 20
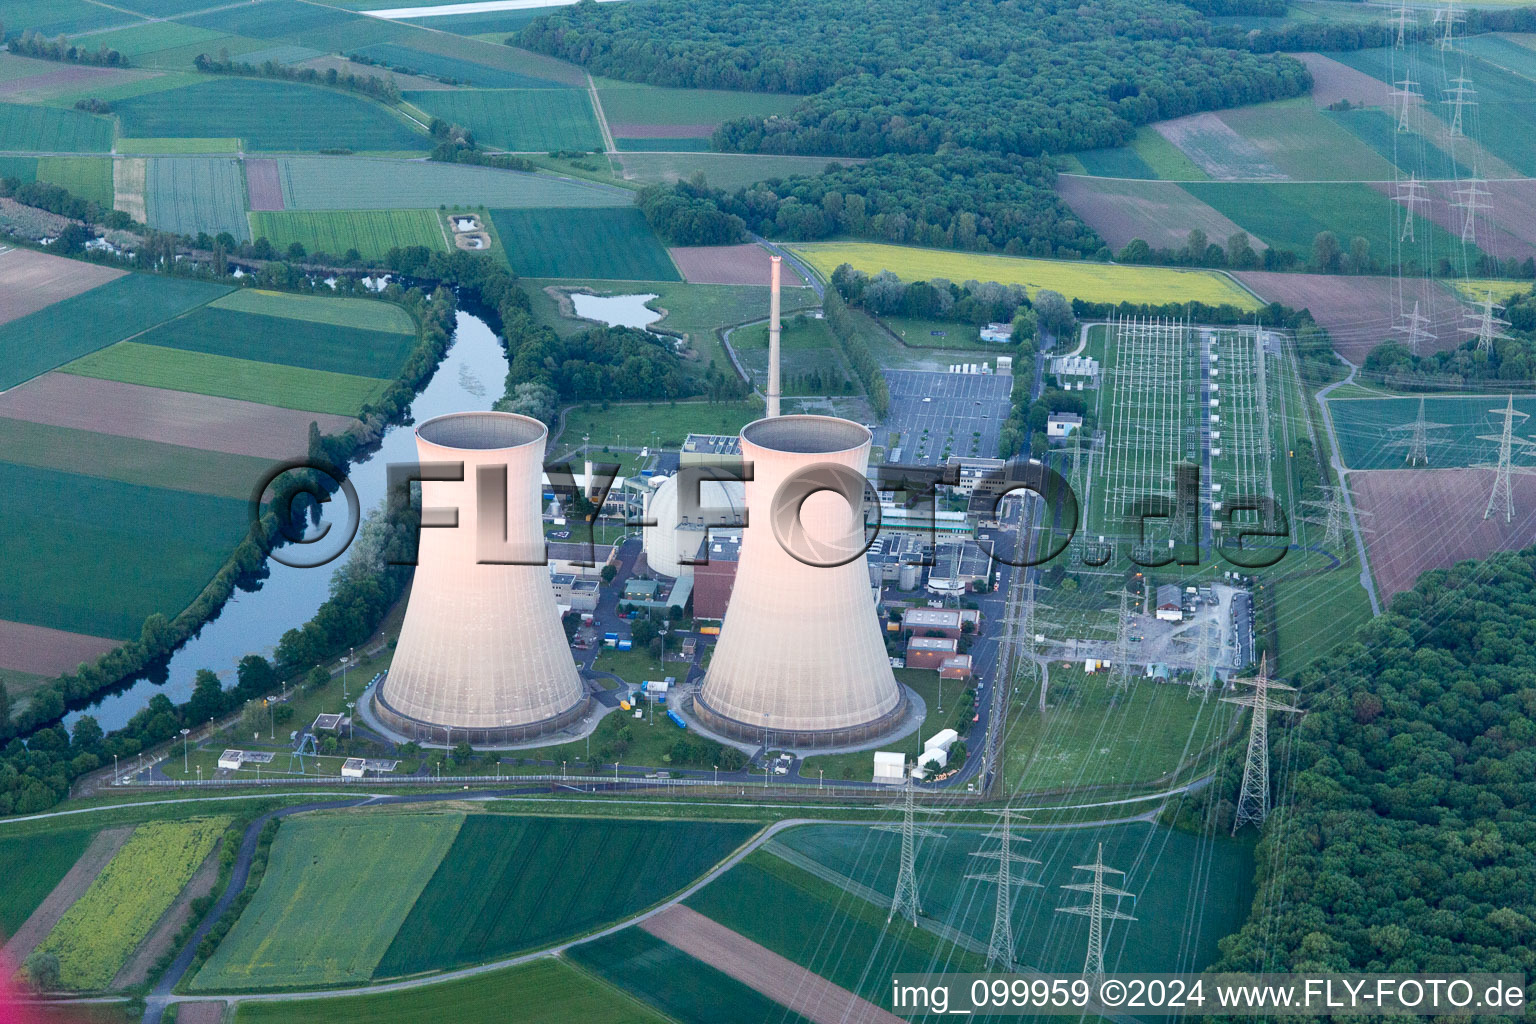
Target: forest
1027 77
1406 836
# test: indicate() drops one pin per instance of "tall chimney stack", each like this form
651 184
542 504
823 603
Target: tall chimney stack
775 263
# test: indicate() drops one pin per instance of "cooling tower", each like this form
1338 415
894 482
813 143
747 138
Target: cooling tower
482 656
801 660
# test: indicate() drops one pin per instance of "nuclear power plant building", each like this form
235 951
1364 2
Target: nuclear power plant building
482 656
801 659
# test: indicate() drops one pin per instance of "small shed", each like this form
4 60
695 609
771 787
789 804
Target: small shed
890 766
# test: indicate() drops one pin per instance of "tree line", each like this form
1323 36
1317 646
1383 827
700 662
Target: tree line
385 90
59 48
1510 359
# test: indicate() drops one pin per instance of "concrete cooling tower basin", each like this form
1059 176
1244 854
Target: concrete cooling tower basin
482 656
801 659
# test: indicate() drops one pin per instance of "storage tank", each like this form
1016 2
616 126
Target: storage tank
801 660
482 656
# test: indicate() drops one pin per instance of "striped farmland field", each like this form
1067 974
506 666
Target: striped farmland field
188 195
371 232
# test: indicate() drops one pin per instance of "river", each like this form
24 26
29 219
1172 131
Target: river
471 376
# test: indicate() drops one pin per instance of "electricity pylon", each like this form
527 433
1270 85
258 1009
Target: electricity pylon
1503 497
1415 327
1417 441
1405 94
1409 195
1207 645
1489 328
1400 37
1000 948
1331 514
1029 629
1449 16
1473 199
1120 667
1096 912
905 901
1253 798
1460 96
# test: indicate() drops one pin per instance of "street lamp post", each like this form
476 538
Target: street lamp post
184 768
351 713
346 663
272 718
717 775
821 775
116 778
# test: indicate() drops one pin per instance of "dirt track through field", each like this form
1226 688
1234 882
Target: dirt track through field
47 652
158 941
29 281
70 888
1426 519
173 417
781 980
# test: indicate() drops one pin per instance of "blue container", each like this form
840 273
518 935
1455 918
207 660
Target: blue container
677 720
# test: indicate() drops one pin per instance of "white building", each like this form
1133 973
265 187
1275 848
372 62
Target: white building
1062 424
999 334
889 766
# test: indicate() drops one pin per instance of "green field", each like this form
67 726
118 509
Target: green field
1304 144
511 884
858 766
288 387
363 314
1094 735
661 145
31 867
1092 282
325 29
51 130
187 195
610 244
89 177
729 171
91 320
544 992
1148 156
336 890
371 232
129 460
1290 215
638 425
1166 870
137 40
633 103
687 990
176 147
517 119
1411 153
823 928
100 931
323 183
448 67
22 168
270 339
96 556
1367 428
51 17
269 116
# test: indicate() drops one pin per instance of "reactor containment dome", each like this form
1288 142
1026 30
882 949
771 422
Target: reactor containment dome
801 660
482 656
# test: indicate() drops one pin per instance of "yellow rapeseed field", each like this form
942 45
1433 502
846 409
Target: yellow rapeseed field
1477 288
1092 282
96 936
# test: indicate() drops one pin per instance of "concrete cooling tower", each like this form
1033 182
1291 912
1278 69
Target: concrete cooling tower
801 660
482 656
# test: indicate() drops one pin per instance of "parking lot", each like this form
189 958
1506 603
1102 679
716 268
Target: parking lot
933 415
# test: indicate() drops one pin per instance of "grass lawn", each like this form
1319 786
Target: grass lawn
859 766
371 232
337 888
944 334
75 561
517 119
633 666
635 425
1093 735
1316 612
544 992
31 867
811 360
647 741
288 387
364 314
610 244
687 990
513 883
130 459
100 931
94 319
1093 282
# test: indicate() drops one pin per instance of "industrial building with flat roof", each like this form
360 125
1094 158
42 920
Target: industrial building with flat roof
944 621
930 652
